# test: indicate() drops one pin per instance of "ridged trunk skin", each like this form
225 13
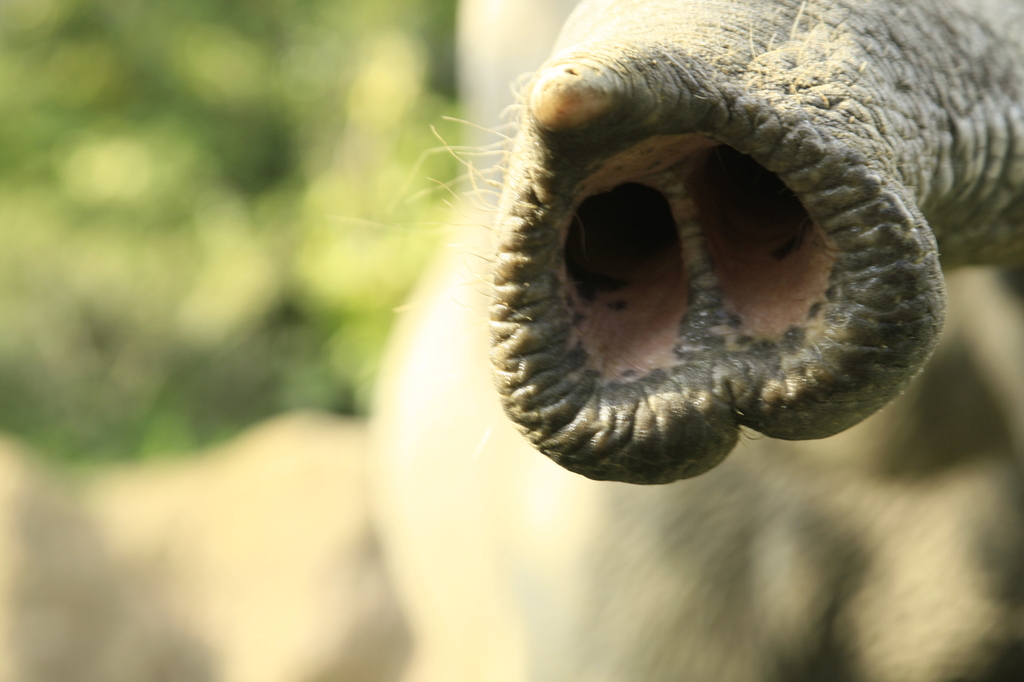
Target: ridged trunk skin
890 552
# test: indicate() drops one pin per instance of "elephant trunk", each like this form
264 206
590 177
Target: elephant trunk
707 225
677 260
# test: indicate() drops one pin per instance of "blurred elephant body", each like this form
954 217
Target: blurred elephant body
893 551
263 551
70 611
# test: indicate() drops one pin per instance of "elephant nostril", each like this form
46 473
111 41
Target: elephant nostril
624 260
752 189
771 260
753 210
618 237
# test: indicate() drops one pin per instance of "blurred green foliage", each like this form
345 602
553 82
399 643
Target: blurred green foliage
209 209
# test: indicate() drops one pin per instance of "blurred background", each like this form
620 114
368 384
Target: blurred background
209 210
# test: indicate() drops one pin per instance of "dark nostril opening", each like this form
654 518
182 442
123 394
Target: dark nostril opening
616 236
759 203
752 186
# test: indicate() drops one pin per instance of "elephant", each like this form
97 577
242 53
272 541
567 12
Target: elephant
752 289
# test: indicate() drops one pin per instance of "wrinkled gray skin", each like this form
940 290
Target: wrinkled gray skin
815 160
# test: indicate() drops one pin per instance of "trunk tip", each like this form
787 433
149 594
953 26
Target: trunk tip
570 96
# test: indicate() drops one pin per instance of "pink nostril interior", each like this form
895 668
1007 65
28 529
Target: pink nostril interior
624 258
771 259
